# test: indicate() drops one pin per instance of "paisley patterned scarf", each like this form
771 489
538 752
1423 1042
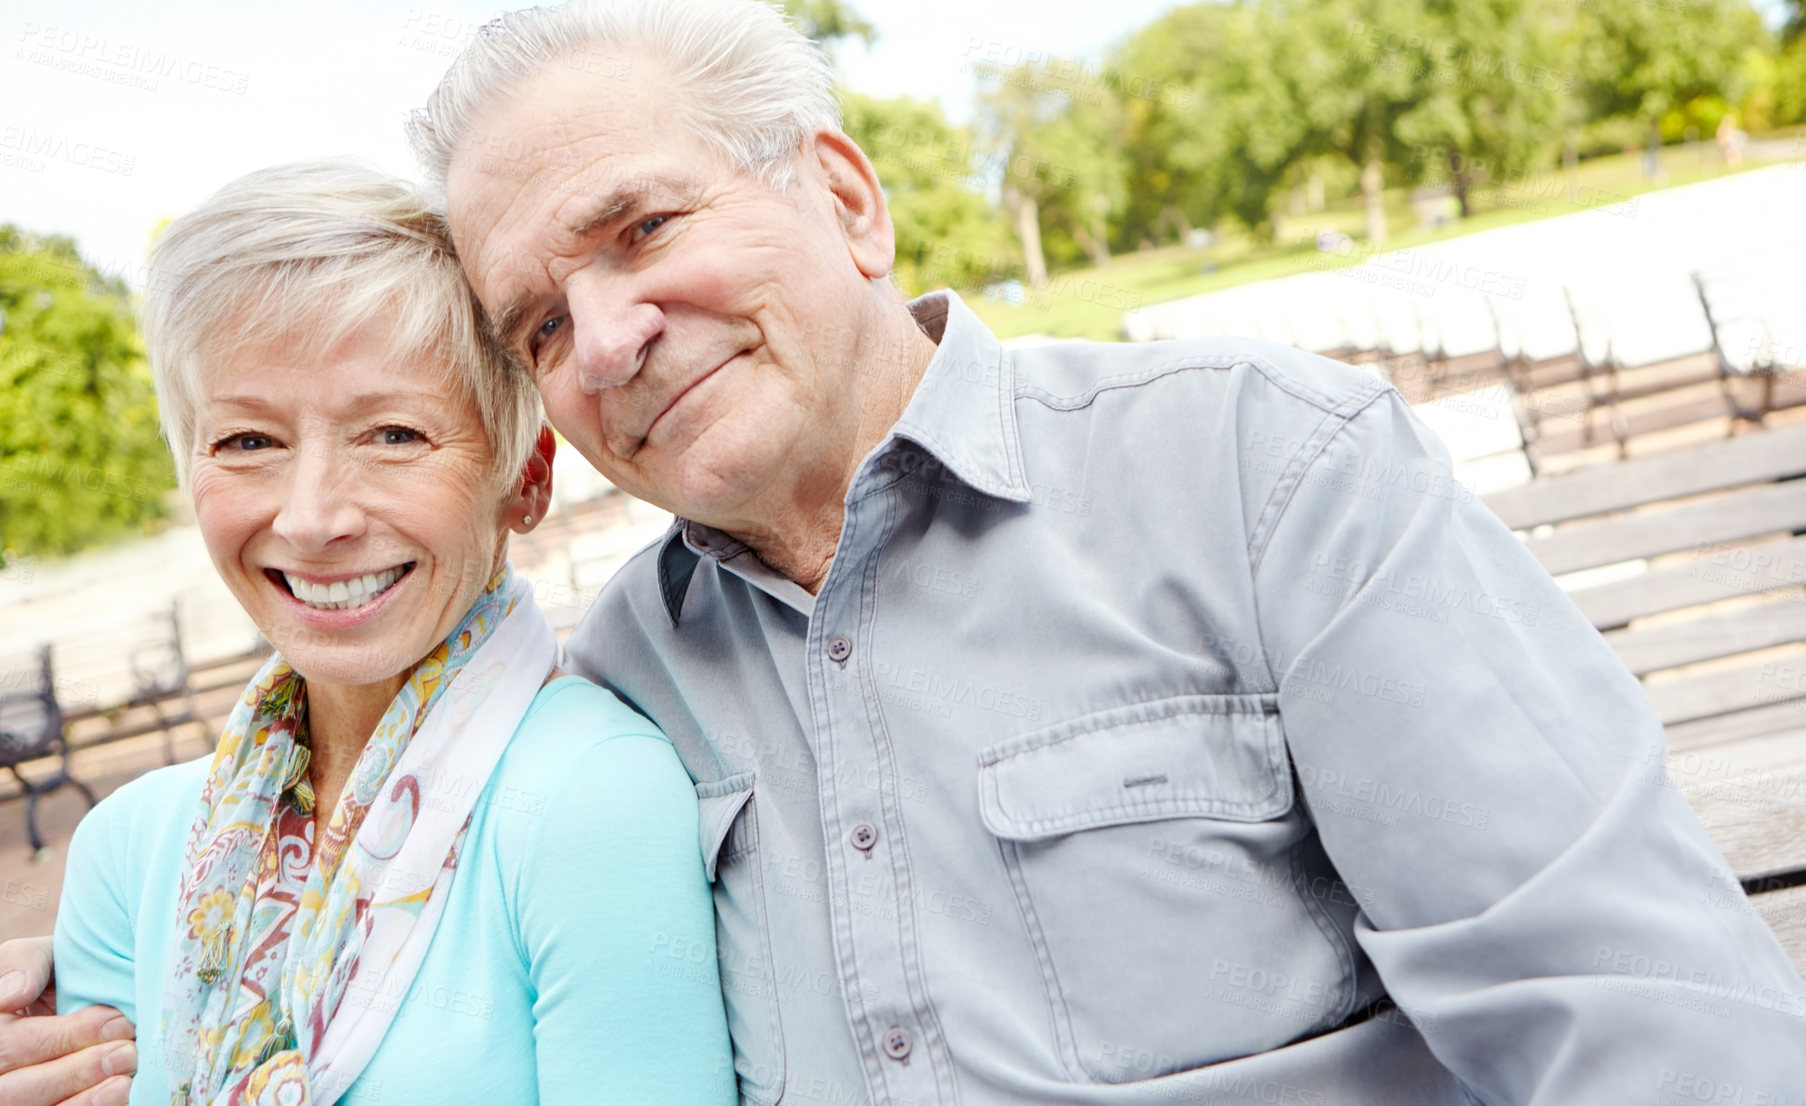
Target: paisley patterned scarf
285 975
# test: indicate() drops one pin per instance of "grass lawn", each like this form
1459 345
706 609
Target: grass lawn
1089 302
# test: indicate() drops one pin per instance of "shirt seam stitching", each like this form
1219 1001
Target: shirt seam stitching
1280 499
1221 362
1333 423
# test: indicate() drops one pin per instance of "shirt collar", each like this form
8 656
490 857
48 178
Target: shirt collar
964 409
963 412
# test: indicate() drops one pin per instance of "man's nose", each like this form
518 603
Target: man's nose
319 505
612 333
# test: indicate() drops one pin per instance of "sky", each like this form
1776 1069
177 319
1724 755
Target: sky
116 114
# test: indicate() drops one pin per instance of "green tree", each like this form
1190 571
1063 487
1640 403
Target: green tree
1092 189
1049 134
829 21
80 457
1494 93
1652 64
1218 123
1790 67
1257 95
1362 68
947 232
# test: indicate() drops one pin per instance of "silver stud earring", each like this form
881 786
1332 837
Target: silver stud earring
526 520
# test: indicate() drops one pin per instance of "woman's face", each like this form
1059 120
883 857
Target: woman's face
349 504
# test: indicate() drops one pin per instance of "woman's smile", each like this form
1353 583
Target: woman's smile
362 595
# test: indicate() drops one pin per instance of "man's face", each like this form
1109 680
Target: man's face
690 329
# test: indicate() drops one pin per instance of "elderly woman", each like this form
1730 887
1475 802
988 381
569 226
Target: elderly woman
421 865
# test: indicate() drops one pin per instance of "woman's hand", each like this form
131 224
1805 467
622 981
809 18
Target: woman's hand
84 1058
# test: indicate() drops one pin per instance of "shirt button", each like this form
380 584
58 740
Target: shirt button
839 649
896 1043
865 835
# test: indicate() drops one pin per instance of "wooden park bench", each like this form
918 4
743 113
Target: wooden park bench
31 729
161 681
155 694
1692 563
1590 404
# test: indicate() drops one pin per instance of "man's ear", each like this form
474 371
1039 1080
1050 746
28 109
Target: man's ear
535 496
858 202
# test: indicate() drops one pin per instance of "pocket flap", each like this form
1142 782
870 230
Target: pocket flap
718 803
1213 756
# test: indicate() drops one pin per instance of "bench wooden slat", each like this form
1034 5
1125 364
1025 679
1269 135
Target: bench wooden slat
1785 913
1719 728
1752 512
1575 395
1701 639
1751 796
1746 459
1539 375
1665 376
1607 423
1732 688
1706 579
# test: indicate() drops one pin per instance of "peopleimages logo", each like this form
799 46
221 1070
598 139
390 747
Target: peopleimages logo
123 62
31 143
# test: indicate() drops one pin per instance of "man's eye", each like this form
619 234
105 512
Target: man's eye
537 342
648 225
397 435
243 443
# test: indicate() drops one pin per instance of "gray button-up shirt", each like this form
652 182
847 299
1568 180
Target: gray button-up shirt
1173 728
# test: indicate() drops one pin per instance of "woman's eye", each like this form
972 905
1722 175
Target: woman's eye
243 443
548 328
650 224
397 435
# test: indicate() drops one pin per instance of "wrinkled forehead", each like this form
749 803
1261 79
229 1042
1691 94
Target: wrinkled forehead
563 137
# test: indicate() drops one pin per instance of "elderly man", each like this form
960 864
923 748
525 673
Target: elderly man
1095 724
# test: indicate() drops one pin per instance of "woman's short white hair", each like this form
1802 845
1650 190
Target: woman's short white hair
308 254
747 82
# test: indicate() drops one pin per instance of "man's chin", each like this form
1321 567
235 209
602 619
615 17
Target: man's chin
714 478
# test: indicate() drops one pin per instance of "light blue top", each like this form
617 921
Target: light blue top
575 961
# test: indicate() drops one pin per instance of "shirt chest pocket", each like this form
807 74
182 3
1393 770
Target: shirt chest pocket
1153 851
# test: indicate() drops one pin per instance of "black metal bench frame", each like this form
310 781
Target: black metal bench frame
43 738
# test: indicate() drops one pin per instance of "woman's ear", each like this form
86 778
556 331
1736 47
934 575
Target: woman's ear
535 496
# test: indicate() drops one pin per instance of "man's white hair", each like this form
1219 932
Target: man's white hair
748 83
306 255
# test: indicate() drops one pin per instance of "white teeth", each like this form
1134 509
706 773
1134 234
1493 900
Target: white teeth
346 594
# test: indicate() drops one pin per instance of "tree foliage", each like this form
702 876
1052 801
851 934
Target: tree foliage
947 232
1049 135
1226 111
80 457
1263 95
829 21
1657 64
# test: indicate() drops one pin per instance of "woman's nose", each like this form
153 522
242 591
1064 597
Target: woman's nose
319 503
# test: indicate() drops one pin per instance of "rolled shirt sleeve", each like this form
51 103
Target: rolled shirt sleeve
1489 781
